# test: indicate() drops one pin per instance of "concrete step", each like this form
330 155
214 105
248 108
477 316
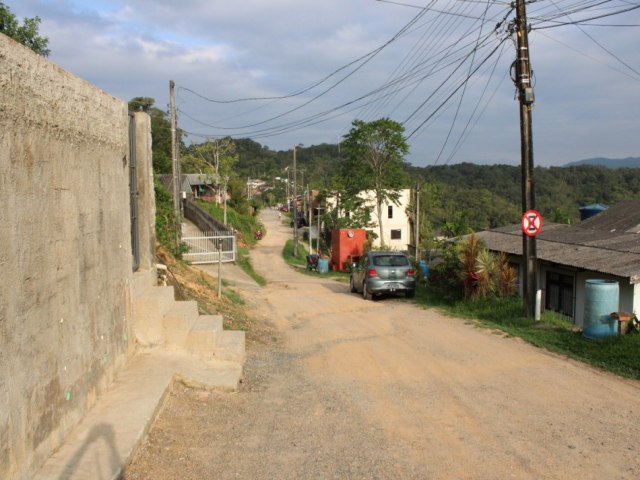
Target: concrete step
178 322
150 304
143 281
204 335
231 346
108 436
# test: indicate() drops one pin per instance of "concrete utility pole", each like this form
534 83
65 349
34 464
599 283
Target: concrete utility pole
295 206
526 98
417 226
288 181
175 167
310 218
226 184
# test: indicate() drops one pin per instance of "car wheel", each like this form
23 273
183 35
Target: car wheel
352 285
410 293
365 293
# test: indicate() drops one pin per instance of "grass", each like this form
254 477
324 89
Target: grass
619 354
194 284
300 262
244 262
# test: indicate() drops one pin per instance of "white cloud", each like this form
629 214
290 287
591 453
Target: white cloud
252 48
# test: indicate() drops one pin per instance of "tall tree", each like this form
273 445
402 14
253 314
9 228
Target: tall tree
217 159
26 34
160 132
375 163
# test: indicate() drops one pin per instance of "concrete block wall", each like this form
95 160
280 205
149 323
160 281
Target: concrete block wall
65 252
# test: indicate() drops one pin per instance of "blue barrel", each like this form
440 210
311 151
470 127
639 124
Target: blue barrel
323 265
601 300
424 268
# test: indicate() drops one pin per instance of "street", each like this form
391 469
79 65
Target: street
337 387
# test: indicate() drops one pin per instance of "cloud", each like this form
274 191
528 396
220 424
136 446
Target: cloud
585 98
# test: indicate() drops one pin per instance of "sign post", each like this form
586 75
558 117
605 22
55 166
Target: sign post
531 226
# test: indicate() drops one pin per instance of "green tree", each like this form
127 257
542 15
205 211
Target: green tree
375 161
216 159
141 104
26 34
160 133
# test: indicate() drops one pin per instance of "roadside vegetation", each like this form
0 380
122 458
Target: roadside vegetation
300 262
483 291
472 284
191 283
456 200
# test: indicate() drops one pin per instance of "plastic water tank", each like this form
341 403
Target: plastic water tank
601 299
424 268
589 211
323 265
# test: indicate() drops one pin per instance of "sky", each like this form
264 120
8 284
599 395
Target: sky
289 72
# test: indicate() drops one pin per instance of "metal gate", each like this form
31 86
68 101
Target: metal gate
208 247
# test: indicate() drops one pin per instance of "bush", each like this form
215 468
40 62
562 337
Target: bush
166 221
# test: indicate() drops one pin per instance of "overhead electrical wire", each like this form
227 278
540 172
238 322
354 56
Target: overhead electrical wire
434 53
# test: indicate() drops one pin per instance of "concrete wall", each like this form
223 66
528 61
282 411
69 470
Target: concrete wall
65 252
399 221
146 193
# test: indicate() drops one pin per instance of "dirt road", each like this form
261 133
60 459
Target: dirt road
343 388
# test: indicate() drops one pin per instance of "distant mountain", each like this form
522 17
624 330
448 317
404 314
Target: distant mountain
629 162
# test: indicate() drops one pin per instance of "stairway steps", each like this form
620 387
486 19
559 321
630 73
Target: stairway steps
149 309
204 335
231 346
179 321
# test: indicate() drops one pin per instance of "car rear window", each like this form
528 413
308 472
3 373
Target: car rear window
390 261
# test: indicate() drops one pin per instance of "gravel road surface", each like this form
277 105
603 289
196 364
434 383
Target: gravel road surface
337 387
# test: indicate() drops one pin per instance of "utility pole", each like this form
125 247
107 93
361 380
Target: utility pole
288 198
175 167
417 226
295 206
526 98
226 184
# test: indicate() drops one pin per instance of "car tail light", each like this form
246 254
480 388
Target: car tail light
372 272
411 272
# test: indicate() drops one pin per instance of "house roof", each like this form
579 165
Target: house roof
607 243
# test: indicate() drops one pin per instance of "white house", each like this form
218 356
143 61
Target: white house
395 221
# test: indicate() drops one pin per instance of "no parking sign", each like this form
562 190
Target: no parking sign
531 223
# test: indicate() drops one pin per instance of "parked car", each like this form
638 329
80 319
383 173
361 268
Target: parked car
379 272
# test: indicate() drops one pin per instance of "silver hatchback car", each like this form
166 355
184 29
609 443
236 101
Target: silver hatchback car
379 272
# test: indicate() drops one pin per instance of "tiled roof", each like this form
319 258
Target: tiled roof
607 243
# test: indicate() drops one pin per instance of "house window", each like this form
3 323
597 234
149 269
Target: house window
396 234
559 293
390 211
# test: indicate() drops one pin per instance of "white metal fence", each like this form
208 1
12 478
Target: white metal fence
208 247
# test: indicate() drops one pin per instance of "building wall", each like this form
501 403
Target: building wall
65 252
626 290
400 221
629 294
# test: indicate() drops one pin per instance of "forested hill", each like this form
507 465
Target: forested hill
461 195
487 196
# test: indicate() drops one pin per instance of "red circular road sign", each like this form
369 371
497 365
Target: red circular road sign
531 223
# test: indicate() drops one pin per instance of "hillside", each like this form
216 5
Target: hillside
629 162
488 196
465 195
